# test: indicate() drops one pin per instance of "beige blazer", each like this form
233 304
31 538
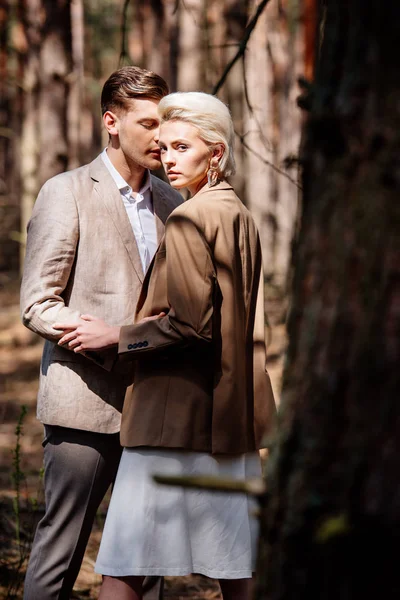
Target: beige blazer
200 378
82 257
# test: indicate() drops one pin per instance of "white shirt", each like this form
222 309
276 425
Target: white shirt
140 212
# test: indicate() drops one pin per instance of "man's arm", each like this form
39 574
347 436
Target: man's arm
53 235
190 291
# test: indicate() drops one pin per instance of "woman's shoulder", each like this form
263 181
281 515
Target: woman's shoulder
210 202
214 198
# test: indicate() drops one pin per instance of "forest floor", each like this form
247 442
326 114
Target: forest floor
20 352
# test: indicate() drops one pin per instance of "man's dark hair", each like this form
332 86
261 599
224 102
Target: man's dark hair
129 83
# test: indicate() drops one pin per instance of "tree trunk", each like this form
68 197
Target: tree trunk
5 131
272 132
190 45
333 516
55 74
8 204
76 116
235 16
30 12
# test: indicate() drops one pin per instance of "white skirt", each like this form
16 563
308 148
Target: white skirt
158 530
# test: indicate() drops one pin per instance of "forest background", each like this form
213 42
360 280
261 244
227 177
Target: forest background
331 509
54 58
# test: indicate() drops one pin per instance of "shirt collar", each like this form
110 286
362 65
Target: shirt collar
122 185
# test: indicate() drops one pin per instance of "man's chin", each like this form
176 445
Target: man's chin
152 163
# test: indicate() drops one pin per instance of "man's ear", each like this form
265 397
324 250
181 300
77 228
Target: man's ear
111 122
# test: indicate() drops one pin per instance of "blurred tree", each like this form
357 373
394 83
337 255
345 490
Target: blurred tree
333 521
5 131
55 75
30 19
75 107
272 132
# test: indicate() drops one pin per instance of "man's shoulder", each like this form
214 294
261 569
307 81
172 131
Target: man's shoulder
174 197
77 176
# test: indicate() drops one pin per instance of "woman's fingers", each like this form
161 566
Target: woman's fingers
65 326
153 318
67 338
74 343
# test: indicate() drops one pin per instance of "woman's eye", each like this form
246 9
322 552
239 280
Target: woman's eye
182 147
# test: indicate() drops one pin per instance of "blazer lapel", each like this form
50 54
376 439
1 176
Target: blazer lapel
161 207
109 194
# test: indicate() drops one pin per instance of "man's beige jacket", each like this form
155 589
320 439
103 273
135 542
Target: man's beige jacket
82 258
200 378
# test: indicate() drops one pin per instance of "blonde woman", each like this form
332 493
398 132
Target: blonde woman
202 398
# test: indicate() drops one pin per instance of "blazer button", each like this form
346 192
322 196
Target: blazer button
130 346
145 344
140 345
134 346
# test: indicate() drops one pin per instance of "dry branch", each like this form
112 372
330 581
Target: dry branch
255 487
242 46
266 161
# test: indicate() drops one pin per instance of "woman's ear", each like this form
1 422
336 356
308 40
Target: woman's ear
218 151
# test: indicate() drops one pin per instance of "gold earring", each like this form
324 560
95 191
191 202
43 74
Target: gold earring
213 172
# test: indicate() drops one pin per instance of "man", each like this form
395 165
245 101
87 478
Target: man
91 237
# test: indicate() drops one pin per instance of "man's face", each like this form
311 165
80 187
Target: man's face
138 129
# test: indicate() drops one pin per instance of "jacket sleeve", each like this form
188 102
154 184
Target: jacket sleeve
191 282
53 235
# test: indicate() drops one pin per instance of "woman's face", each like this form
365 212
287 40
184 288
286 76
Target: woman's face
184 155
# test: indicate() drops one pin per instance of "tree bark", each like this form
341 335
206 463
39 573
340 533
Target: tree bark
235 16
272 132
5 117
76 116
333 516
7 202
31 14
191 49
55 75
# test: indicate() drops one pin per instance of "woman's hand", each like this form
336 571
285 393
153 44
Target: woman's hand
152 318
92 334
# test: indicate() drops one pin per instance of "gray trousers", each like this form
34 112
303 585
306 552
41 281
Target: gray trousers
79 468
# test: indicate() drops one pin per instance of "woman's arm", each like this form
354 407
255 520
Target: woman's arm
190 288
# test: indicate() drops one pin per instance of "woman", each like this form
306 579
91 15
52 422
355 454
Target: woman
202 398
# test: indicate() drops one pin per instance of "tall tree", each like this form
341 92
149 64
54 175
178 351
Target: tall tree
272 131
4 92
46 82
6 139
55 73
75 107
334 507
30 14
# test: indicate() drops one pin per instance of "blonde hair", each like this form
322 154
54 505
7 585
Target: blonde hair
209 115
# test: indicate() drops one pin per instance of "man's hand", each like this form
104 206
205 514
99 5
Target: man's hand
93 334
